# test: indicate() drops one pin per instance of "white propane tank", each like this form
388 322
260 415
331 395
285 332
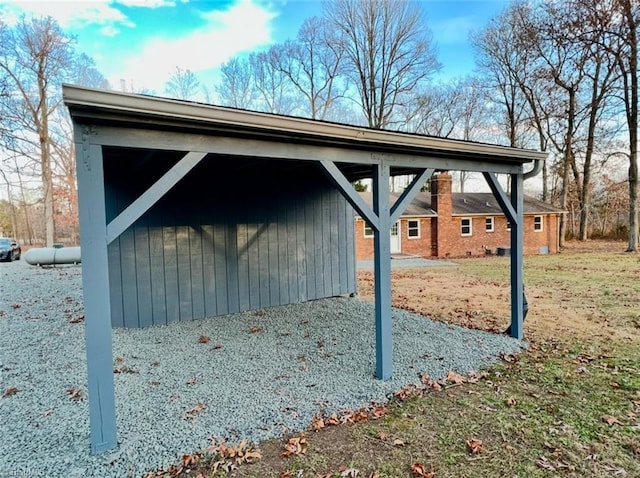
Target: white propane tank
46 256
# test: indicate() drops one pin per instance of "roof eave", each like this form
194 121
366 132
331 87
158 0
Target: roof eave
88 103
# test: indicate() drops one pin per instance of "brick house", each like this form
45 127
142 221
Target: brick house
441 223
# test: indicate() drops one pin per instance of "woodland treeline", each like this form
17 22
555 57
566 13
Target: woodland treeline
558 75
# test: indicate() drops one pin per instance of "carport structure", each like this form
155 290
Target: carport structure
190 211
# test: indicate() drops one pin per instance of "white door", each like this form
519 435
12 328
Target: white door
395 238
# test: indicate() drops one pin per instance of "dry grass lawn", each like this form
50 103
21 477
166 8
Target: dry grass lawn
568 407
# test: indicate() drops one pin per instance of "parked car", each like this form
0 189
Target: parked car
9 250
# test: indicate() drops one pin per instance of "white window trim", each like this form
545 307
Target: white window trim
365 226
541 224
493 224
408 228
470 233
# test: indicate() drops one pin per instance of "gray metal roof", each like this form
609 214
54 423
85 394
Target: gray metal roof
103 107
467 204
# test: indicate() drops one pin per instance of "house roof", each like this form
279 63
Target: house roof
486 204
466 204
421 205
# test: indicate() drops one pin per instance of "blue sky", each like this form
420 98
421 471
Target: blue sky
143 41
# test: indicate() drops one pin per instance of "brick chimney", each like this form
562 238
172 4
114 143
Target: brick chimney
443 228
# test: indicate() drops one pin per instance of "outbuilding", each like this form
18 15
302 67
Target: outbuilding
190 211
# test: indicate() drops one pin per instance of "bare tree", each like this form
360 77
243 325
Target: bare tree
311 64
34 55
388 51
627 61
236 86
272 86
182 84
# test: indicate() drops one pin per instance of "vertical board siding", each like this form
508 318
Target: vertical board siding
156 257
205 252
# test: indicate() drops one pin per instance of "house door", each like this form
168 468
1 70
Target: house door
395 238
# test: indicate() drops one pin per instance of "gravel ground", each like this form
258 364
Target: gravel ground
260 375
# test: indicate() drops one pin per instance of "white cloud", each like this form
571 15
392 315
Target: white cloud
147 3
243 26
69 14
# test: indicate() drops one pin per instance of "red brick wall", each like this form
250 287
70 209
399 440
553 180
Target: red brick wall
412 245
445 230
442 236
458 245
415 246
364 245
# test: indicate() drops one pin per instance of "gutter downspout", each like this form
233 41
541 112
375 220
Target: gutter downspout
537 167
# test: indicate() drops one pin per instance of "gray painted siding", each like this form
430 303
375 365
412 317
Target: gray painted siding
206 251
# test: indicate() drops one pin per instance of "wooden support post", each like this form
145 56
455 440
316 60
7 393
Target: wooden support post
382 271
97 305
517 253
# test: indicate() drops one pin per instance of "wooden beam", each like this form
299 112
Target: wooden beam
517 253
409 194
231 146
501 197
350 194
147 199
382 273
97 304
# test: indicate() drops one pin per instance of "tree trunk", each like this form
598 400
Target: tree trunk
632 122
568 155
45 158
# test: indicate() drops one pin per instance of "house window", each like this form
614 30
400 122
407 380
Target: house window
368 231
413 229
508 225
488 224
465 229
537 223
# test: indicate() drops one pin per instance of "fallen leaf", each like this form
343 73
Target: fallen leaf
191 460
285 474
332 420
118 360
611 420
255 329
77 320
398 442
75 394
191 381
382 436
474 445
48 412
295 446
193 412
204 339
317 424
510 402
455 378
216 347
10 391
379 412
544 463
15 306
374 474
615 470
419 470
350 473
